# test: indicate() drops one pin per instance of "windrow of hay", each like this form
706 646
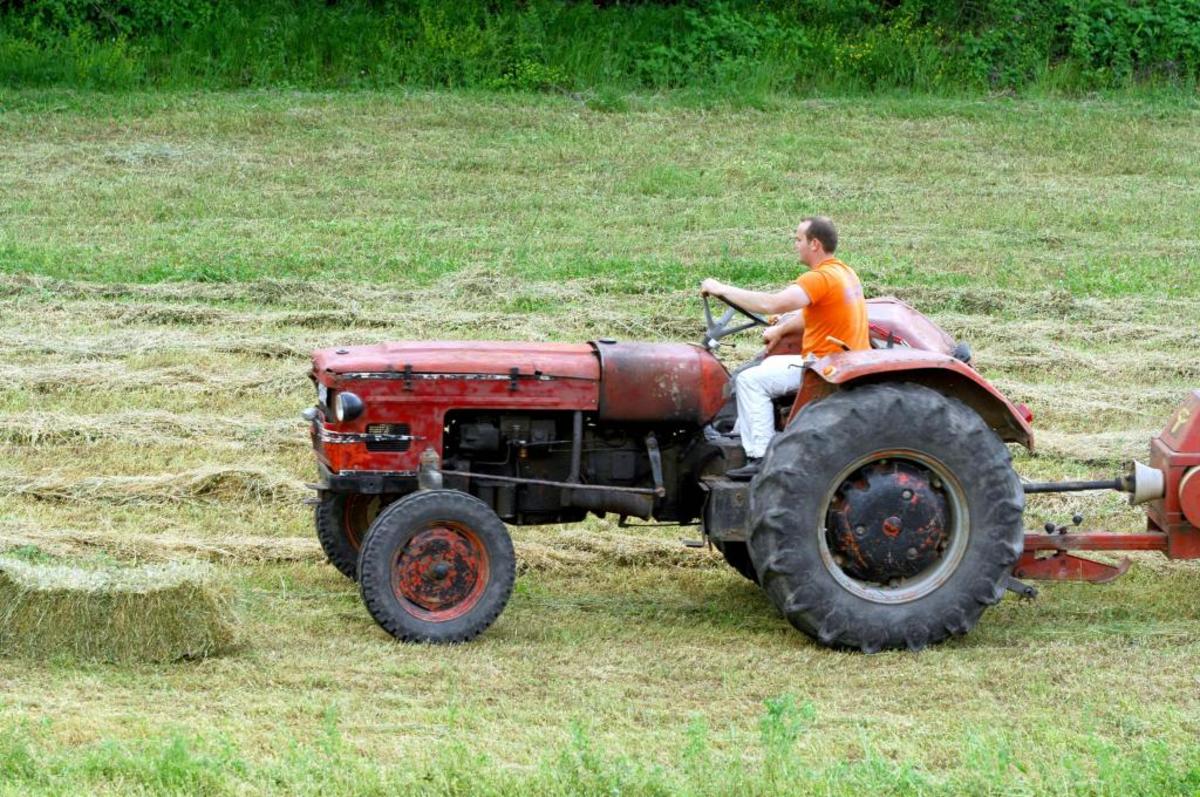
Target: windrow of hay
162 313
1108 449
160 426
198 485
107 377
259 292
240 550
1110 406
122 343
156 613
478 284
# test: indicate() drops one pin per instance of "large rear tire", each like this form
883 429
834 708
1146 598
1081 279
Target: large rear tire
887 516
437 566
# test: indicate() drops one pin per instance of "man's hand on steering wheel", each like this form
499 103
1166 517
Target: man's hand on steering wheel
711 287
715 329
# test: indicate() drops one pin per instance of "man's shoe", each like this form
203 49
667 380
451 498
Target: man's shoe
747 471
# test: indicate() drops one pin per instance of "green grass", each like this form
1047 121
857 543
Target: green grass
1088 197
779 762
167 261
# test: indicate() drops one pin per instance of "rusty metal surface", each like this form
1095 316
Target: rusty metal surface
441 573
660 382
1067 567
812 388
888 521
907 326
1176 452
1097 541
422 405
938 371
886 316
358 513
1182 432
950 545
1189 496
563 360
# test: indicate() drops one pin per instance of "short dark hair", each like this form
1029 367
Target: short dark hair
821 228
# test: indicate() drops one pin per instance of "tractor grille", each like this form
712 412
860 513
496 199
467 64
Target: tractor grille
383 437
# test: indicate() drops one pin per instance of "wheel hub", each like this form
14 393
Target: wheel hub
887 521
439 569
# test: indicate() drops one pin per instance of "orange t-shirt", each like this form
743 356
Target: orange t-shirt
836 308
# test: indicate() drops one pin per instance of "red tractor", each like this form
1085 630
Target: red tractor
887 512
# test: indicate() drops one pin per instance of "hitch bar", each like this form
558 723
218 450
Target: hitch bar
1073 487
1141 482
1045 556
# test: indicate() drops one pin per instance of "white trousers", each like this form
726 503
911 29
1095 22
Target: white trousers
776 376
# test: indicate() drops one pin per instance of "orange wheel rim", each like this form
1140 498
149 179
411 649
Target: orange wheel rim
441 572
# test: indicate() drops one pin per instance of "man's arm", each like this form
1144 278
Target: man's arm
790 324
790 298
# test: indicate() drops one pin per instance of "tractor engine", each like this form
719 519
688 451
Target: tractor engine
540 432
647 471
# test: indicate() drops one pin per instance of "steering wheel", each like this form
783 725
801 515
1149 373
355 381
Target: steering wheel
715 329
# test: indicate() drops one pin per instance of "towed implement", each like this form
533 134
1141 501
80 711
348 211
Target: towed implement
887 512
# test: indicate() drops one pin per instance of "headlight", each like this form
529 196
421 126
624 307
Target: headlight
346 406
322 395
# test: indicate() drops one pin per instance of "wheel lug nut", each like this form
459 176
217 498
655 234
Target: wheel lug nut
860 531
906 495
911 553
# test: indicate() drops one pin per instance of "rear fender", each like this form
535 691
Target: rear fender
940 372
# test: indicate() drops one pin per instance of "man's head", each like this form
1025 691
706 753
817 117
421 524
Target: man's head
816 240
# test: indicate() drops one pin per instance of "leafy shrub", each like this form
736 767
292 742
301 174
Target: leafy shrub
736 48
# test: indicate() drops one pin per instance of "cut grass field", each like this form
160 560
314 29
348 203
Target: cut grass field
167 261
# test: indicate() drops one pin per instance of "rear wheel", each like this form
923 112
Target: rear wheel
342 520
437 566
887 516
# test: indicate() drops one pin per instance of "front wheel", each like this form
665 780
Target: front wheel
342 520
887 516
436 566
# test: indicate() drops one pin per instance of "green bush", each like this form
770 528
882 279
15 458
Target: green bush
735 47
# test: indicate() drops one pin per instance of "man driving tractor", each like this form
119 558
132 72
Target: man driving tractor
826 302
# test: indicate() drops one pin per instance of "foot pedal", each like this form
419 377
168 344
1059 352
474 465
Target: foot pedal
693 543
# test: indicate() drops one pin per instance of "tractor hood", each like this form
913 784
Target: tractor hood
562 360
